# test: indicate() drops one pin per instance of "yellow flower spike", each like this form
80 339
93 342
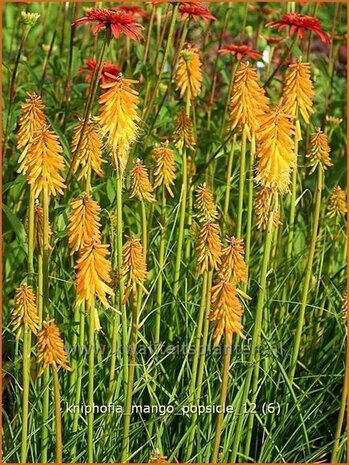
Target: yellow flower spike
319 151
183 135
226 310
32 119
118 117
51 348
141 187
164 167
84 225
204 203
337 205
189 73
134 267
25 312
209 247
275 151
233 266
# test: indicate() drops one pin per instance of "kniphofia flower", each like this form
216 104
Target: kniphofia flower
263 205
107 69
195 10
118 21
141 187
298 24
209 247
337 205
298 91
319 151
39 228
226 310
248 102
183 134
164 167
84 225
134 267
43 162
240 51
25 312
118 118
233 266
93 273
32 119
51 348
275 150
189 73
89 157
204 203
333 120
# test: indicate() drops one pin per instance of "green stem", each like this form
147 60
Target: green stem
228 184
282 61
130 381
91 362
241 182
25 395
227 102
340 420
308 274
45 304
250 201
293 204
150 29
200 349
254 358
58 418
161 267
222 397
31 214
162 66
144 230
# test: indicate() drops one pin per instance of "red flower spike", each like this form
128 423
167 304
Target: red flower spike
240 51
299 23
117 20
195 10
108 68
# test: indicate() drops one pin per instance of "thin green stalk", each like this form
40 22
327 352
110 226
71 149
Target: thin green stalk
222 397
343 404
144 230
89 103
78 379
308 274
228 183
130 381
91 365
161 267
48 55
241 181
254 358
150 28
25 394
189 220
58 418
149 105
45 303
293 204
227 102
282 61
200 350
40 289
31 214
250 201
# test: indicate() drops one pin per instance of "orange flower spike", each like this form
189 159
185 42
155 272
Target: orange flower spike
248 103
184 136
263 208
93 273
118 117
189 74
205 204
319 151
140 183
209 248
84 225
275 151
43 163
337 205
233 266
134 267
226 312
90 152
32 119
25 311
51 348
164 167
298 91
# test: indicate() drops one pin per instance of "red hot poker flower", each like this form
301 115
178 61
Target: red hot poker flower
299 23
240 51
117 20
195 10
108 68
